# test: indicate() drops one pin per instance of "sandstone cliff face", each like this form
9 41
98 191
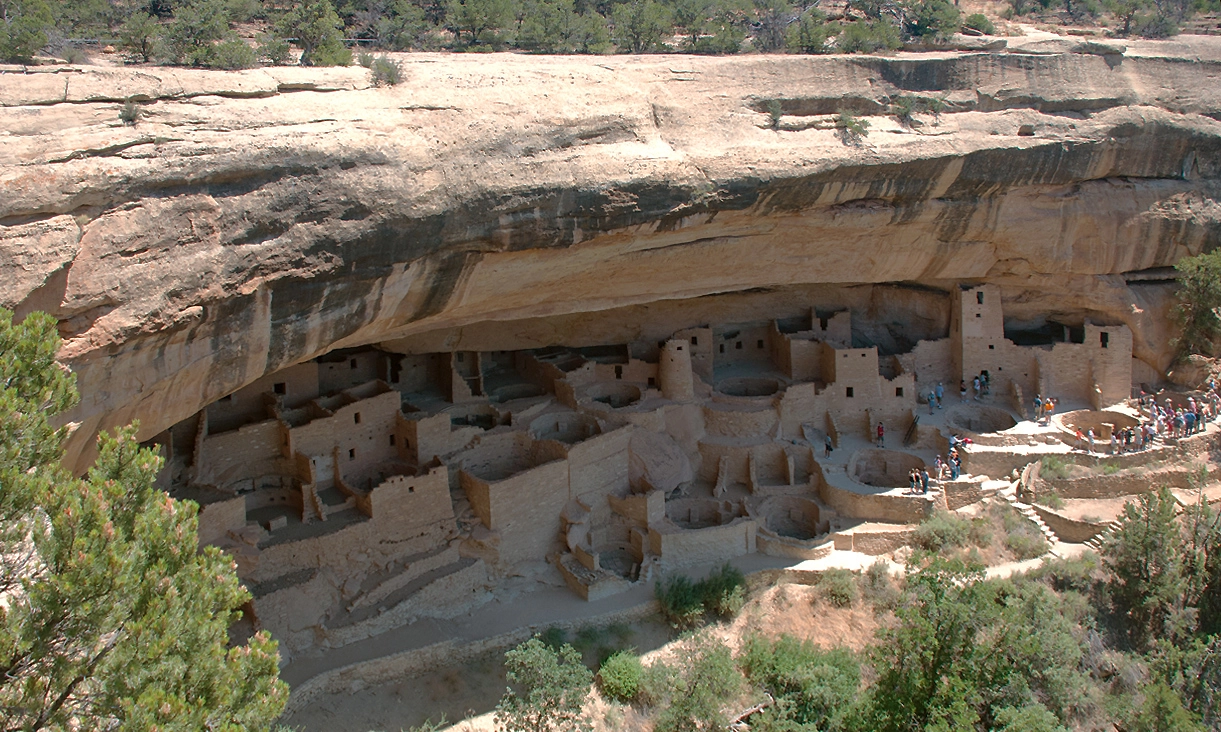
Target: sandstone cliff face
256 219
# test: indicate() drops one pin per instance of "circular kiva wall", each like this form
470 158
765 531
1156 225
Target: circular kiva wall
566 427
1099 421
979 418
748 386
791 516
524 390
700 513
614 394
882 468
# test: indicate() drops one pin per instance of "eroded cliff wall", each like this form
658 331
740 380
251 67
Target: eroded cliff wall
252 220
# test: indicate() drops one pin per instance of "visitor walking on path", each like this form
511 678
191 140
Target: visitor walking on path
940 392
962 390
826 446
924 480
881 435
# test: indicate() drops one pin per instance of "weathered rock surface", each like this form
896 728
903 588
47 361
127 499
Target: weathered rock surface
255 219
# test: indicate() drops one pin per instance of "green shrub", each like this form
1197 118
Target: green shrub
1110 467
620 676
699 693
852 128
274 50
813 688
554 637
1026 544
774 111
869 37
837 587
130 112
682 604
904 107
384 71
723 592
931 20
1054 467
878 588
231 53
1050 498
1063 575
979 22
942 531
656 684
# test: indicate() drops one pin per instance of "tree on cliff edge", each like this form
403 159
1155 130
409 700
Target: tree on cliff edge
1200 301
110 615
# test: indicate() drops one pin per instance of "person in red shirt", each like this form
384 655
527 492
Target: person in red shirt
881 435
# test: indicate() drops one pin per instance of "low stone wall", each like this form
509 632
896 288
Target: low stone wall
455 592
409 663
897 509
775 545
678 547
1124 484
959 493
1074 531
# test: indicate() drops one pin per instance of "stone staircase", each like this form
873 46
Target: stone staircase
1098 539
1010 496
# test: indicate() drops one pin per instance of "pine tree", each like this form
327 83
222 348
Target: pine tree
112 616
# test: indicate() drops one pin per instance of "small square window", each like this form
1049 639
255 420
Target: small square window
850 394
722 348
652 381
356 418
979 315
991 347
679 348
353 364
352 454
411 489
898 391
618 372
695 341
862 355
280 387
1105 339
738 345
979 298
391 440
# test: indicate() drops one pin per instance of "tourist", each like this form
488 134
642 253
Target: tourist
939 468
940 391
826 446
911 481
1089 434
932 399
975 387
962 390
1114 442
881 435
1189 422
924 480
1038 407
1080 439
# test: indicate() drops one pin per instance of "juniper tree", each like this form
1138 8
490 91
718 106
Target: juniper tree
112 619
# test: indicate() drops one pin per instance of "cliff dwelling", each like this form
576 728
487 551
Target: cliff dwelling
368 487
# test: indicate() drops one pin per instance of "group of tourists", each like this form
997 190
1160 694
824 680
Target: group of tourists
917 480
980 386
1162 421
1043 408
935 396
